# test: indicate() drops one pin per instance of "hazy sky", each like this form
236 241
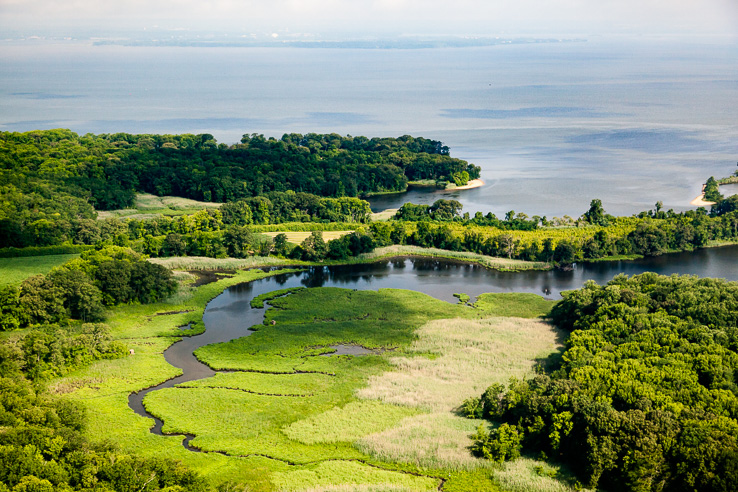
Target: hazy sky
479 17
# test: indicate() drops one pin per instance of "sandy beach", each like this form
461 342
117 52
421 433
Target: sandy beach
474 183
700 202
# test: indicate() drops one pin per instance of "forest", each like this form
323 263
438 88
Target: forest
106 170
645 396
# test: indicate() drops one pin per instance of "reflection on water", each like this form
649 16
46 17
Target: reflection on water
442 278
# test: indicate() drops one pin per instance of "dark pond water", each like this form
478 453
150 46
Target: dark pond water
230 315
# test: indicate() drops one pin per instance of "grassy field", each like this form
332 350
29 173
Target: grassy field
495 263
148 206
205 263
298 237
291 418
16 270
384 215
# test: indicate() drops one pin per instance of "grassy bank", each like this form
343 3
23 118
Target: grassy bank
494 263
204 263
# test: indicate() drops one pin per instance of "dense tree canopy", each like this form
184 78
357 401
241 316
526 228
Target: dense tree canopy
646 395
107 169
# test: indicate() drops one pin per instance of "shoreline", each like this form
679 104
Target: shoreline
471 184
700 202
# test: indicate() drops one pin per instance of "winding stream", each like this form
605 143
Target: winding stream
229 315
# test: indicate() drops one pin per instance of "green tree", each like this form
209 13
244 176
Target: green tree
237 241
314 247
596 214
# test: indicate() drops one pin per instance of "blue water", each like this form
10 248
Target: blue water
630 122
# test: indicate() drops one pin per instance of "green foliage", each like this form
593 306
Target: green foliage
79 288
500 444
596 214
645 397
43 251
463 298
514 304
258 301
712 190
725 206
51 180
349 423
313 248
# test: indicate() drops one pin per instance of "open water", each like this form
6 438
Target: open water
629 121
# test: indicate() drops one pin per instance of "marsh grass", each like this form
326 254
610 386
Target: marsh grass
258 301
244 424
253 428
526 474
347 475
503 264
307 321
16 270
429 441
469 356
272 384
348 423
205 263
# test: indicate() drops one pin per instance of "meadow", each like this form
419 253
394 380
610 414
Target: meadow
16 270
297 237
147 206
283 413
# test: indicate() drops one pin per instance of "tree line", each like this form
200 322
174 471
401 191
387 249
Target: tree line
106 170
56 228
645 395
42 445
81 288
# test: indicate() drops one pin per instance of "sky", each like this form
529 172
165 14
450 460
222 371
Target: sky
349 18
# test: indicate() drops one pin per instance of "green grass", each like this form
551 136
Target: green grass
244 424
148 206
349 423
503 264
267 384
16 270
343 475
258 301
513 304
205 263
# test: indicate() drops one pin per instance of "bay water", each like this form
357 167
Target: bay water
630 121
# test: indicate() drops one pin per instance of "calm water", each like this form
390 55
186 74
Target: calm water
551 125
